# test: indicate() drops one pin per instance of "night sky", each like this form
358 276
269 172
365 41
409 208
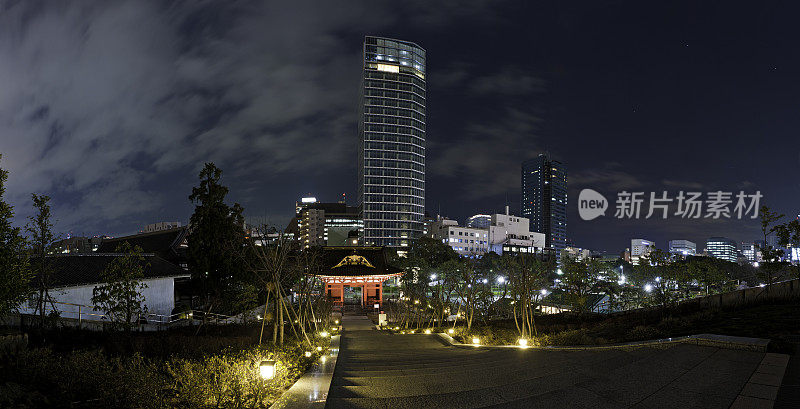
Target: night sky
112 107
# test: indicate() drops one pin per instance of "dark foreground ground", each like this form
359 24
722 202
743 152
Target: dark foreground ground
380 370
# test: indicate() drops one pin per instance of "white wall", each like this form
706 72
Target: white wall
159 299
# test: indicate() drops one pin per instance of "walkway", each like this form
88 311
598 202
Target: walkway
378 370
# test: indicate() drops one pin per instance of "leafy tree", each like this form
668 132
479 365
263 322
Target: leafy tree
465 275
120 296
15 274
706 272
40 228
771 257
580 278
216 236
665 282
789 235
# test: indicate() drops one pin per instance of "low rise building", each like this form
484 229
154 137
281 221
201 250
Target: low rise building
722 248
506 233
464 240
479 221
640 248
682 248
324 224
577 253
75 276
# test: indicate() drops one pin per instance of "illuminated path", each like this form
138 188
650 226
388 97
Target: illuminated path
378 370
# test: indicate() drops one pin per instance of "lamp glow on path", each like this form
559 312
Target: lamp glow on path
267 369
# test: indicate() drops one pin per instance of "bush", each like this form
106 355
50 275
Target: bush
92 378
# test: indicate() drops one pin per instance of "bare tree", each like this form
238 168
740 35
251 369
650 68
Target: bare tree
527 277
40 228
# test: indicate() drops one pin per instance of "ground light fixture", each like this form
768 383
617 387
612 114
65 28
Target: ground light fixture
267 369
523 342
476 340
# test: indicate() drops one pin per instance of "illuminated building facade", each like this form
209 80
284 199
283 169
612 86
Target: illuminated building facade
544 199
391 154
722 248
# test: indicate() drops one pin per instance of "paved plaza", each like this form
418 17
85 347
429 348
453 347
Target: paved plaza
379 370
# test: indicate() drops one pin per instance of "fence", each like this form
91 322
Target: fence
86 316
780 291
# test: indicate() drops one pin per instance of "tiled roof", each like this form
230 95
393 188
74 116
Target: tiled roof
334 263
81 269
165 243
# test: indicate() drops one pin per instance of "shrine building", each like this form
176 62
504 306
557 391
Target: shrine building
348 271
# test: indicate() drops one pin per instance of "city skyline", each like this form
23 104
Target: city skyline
281 123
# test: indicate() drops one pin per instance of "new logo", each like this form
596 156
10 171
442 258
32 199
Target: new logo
591 204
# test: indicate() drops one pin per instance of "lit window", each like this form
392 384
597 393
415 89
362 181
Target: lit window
388 68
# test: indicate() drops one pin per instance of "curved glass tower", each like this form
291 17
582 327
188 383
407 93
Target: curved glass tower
391 152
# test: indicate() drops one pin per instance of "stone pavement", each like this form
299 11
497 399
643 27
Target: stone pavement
379 370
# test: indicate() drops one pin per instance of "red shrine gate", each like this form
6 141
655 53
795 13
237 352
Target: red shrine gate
350 267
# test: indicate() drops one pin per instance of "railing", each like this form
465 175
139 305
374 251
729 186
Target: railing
90 313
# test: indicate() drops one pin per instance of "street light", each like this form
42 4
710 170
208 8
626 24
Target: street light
523 342
648 288
308 354
267 369
451 331
427 331
433 276
324 334
501 279
476 340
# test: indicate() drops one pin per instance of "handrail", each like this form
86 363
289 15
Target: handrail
153 318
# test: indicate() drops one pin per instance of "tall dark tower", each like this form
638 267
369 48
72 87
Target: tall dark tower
391 151
544 198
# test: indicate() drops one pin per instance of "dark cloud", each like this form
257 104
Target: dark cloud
101 99
485 160
607 178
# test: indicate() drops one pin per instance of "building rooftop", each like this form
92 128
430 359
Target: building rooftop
81 269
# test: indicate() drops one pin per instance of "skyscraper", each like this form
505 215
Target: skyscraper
544 198
391 154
